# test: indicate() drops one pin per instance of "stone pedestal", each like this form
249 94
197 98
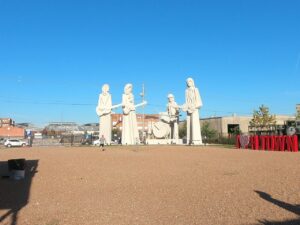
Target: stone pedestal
164 141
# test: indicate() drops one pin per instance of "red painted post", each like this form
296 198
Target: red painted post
268 143
282 143
273 140
256 141
295 143
238 141
289 143
277 143
262 142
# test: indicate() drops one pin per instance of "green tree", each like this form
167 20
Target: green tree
182 130
116 132
262 120
207 131
298 112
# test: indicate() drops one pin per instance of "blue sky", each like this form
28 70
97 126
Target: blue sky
55 55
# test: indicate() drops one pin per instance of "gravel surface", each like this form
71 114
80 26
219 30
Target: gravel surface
151 185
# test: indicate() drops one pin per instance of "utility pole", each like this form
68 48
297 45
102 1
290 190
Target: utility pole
143 99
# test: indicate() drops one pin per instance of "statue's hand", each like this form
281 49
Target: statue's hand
102 111
184 108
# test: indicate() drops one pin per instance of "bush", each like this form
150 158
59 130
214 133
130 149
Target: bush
222 140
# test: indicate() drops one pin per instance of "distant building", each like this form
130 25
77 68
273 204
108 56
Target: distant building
91 128
226 125
9 130
6 122
142 120
58 128
29 127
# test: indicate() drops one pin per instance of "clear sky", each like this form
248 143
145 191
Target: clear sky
56 54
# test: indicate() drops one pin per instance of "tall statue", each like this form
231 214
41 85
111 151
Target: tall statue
192 105
173 112
104 110
130 134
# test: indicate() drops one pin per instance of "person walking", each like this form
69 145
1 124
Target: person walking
102 142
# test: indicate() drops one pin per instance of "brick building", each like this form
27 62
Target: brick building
9 130
141 121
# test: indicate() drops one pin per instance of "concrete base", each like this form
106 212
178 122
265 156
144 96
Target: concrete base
164 141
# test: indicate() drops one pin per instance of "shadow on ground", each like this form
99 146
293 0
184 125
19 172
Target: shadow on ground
14 195
289 207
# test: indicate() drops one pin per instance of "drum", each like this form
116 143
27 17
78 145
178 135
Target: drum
164 116
161 130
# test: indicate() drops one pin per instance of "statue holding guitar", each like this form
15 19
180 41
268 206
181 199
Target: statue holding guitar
130 134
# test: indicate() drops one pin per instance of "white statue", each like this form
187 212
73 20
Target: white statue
192 105
130 134
104 110
173 112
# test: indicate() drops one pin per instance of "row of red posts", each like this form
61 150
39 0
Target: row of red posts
268 143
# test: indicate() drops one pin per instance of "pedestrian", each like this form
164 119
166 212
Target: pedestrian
72 139
102 142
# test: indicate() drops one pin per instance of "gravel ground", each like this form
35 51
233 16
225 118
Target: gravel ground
151 185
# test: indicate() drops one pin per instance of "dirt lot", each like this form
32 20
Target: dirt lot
151 185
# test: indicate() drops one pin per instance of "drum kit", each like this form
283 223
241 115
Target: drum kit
162 128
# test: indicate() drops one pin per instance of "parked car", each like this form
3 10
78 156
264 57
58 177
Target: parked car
14 143
96 142
113 142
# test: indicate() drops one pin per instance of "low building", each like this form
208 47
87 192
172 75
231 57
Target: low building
6 122
9 130
59 128
91 128
227 125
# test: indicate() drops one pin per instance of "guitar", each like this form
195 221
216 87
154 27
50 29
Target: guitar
102 112
127 110
116 106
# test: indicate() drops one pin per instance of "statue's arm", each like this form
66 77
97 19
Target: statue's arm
198 99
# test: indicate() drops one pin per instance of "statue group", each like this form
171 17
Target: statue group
130 134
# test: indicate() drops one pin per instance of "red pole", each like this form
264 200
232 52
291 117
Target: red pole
295 143
289 143
262 142
238 141
273 140
277 143
282 143
268 143
256 140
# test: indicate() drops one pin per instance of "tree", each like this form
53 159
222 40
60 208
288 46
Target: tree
182 130
262 120
207 131
298 112
116 132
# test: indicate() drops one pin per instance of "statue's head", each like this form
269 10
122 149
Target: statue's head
190 82
105 88
128 89
171 97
